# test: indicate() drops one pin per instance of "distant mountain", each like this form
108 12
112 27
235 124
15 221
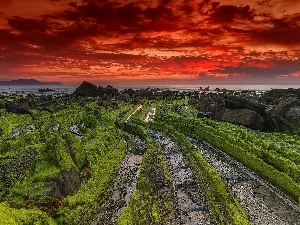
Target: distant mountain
22 82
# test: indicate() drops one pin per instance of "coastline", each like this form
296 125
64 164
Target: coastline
69 89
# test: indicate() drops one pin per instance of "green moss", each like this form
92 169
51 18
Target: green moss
11 216
224 205
146 206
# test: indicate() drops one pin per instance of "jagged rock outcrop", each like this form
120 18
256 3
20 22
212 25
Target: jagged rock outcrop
87 89
274 96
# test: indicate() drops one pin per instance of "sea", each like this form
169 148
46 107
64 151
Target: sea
69 89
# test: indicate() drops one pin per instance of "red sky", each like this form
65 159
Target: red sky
183 41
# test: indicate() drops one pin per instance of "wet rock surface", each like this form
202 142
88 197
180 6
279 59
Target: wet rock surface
19 130
274 110
75 130
245 117
191 204
124 184
293 116
263 203
56 127
67 183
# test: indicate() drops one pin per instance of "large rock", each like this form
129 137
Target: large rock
284 117
87 89
67 183
53 190
275 122
274 96
209 105
246 117
293 117
236 102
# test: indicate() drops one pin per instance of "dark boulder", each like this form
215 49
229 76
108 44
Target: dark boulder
284 117
52 189
275 122
208 104
293 117
67 183
285 106
236 102
275 95
246 117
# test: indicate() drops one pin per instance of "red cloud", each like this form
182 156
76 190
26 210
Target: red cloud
229 13
27 24
167 38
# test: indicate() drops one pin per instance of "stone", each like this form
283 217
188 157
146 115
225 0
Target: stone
293 117
246 117
52 189
67 183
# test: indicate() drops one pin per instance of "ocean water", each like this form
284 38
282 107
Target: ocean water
25 90
213 87
28 89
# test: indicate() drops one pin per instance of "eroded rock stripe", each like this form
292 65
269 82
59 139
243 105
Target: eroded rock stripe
263 203
191 204
124 184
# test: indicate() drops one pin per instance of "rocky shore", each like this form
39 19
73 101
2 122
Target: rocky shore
276 110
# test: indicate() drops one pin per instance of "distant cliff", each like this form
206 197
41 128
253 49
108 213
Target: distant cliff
27 82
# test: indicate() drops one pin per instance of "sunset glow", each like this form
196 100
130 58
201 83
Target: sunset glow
226 41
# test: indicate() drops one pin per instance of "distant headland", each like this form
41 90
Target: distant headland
21 82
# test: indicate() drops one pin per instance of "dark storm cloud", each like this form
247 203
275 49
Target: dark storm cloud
283 67
158 12
165 2
162 43
160 37
281 31
186 8
113 16
229 13
27 24
283 36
